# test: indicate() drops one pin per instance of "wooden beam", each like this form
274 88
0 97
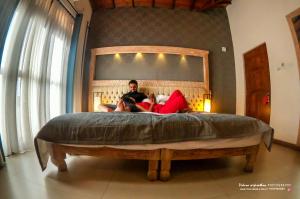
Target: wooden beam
173 4
93 4
223 1
215 4
193 5
208 4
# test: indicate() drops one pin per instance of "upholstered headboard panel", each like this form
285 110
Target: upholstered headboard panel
109 91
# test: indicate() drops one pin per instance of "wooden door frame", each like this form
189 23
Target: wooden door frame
297 48
289 18
298 142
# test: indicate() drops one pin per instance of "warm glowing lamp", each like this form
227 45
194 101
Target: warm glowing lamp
207 102
117 55
138 56
183 60
161 56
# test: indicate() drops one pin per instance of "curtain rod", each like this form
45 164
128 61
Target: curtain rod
69 8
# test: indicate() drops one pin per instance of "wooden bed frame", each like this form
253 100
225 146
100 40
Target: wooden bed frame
167 155
58 154
164 156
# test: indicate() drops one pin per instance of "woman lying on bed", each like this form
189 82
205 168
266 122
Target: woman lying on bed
175 103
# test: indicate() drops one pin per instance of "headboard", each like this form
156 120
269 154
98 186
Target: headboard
109 91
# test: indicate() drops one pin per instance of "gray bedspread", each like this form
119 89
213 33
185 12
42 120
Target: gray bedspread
123 128
142 128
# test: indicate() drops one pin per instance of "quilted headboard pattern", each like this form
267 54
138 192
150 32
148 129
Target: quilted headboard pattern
109 91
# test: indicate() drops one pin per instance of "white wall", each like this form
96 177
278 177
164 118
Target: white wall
82 7
253 22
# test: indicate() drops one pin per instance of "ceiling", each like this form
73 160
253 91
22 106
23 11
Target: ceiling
198 5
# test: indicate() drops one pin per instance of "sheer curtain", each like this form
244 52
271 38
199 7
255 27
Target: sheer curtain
34 69
5 19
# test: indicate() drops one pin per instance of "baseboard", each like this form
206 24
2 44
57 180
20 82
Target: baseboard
286 144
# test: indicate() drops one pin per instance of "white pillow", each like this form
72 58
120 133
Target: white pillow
161 99
147 100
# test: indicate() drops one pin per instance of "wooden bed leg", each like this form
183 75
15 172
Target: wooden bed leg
251 158
152 170
166 156
58 158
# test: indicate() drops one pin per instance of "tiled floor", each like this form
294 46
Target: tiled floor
90 177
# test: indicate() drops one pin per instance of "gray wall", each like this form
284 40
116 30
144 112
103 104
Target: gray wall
207 30
149 67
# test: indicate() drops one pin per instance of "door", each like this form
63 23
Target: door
258 83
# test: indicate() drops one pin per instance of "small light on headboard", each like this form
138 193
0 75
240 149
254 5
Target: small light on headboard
138 57
183 61
117 56
161 56
207 102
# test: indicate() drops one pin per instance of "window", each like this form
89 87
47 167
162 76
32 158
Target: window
34 68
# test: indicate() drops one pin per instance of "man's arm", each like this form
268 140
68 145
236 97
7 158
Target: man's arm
142 109
152 102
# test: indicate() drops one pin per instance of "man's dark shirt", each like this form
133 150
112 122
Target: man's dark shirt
135 95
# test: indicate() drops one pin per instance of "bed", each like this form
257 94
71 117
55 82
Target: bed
159 139
152 137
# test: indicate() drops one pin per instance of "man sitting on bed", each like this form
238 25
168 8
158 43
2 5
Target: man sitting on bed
128 100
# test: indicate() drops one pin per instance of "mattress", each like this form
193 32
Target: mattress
123 128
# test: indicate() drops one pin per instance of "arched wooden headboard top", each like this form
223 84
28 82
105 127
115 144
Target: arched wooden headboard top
111 90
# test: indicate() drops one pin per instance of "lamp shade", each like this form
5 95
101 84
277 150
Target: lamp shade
207 102
207 105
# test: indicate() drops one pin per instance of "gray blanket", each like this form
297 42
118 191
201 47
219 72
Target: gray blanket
141 128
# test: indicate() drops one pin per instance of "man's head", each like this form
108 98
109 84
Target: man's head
133 85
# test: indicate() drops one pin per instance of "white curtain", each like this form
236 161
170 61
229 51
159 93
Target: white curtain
34 69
